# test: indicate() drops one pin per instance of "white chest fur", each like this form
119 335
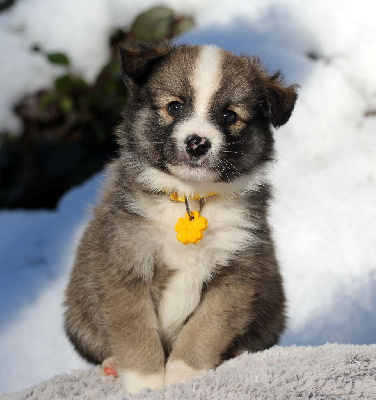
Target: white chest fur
228 232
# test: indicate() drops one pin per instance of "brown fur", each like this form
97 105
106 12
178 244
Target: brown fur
120 272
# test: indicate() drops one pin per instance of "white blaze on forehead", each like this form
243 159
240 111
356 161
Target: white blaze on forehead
205 82
206 78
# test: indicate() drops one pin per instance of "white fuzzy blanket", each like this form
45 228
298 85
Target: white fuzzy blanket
326 372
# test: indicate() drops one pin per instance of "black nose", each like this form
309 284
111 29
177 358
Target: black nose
197 146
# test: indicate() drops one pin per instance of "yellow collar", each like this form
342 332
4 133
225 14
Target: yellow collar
174 196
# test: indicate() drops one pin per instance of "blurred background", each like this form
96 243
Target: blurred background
61 95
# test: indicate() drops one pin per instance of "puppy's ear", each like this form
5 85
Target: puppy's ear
278 100
137 60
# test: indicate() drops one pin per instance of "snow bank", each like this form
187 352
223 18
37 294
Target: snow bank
37 250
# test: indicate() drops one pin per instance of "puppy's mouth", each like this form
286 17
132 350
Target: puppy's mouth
193 161
192 170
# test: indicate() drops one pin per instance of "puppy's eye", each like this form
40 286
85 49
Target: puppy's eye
174 108
230 117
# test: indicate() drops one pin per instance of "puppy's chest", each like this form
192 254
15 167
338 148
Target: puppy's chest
193 264
229 230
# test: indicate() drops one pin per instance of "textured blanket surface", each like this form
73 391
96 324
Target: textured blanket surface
326 372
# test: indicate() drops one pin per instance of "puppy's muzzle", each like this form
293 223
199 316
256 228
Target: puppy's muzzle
197 146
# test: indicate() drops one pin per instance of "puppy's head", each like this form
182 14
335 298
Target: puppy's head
199 113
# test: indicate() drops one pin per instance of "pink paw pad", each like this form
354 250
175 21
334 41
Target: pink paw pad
110 371
109 367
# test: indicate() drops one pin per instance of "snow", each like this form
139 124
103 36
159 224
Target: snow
324 214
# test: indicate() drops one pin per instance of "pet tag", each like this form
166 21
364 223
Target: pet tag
190 228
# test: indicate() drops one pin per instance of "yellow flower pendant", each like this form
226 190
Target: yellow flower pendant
190 227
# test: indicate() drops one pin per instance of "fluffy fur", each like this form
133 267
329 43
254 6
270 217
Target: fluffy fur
198 121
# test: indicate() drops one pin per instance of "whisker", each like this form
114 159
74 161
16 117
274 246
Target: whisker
237 152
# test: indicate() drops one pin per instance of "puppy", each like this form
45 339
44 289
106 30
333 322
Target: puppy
176 270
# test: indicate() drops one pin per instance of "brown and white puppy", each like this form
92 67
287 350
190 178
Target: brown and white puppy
198 124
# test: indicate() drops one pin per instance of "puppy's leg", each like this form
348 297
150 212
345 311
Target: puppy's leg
223 314
134 337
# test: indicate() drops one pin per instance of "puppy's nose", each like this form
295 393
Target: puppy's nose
197 146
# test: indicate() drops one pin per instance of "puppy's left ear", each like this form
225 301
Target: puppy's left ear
137 60
279 100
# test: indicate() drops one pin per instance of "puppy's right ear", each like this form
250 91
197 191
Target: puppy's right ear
138 60
279 98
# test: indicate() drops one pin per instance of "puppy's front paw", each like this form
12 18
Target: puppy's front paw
134 382
179 371
109 367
